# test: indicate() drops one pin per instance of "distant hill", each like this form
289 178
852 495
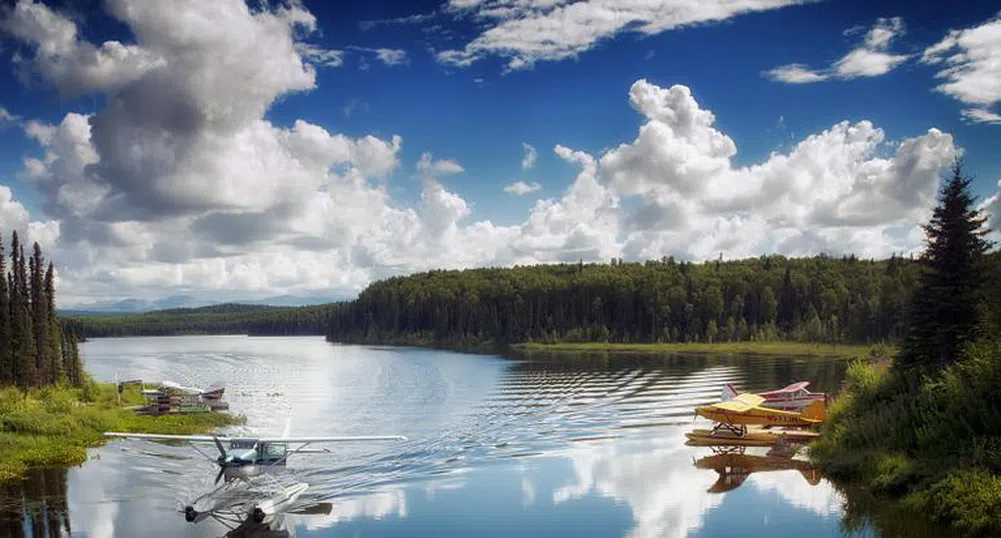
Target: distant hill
175 302
228 318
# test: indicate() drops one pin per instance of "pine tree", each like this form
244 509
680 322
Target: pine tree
943 313
6 359
54 338
76 365
39 318
67 360
21 341
27 347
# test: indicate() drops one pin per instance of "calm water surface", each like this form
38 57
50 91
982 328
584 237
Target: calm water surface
567 445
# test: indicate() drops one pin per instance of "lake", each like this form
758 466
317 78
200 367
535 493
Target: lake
539 445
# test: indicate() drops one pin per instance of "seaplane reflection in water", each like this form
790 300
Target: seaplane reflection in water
734 466
250 493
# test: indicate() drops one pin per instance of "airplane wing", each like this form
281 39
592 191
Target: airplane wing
795 386
211 439
740 404
331 439
164 437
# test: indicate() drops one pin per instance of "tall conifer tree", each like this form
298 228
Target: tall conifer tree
54 338
6 359
40 317
943 311
27 337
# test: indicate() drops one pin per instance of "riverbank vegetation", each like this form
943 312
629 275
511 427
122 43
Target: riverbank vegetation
927 428
786 349
55 425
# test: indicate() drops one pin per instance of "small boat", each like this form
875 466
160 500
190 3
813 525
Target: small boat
793 397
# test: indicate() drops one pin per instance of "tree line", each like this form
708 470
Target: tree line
816 299
35 351
255 320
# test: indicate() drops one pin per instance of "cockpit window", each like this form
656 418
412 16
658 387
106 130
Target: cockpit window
274 451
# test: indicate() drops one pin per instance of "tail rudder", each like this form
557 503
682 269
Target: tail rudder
816 411
729 392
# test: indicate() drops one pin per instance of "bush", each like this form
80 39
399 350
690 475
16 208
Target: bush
934 440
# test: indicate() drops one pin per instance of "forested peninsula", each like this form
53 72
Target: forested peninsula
817 299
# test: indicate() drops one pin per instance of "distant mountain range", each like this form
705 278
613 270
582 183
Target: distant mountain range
138 306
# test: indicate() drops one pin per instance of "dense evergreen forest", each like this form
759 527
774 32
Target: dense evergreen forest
256 320
818 299
35 350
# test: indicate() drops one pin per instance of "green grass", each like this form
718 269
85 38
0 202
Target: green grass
845 351
54 426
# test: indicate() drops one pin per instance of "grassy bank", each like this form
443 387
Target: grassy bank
54 426
846 351
932 443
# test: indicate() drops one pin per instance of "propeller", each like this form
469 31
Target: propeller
223 459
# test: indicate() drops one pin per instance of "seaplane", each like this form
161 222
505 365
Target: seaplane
249 491
732 418
793 397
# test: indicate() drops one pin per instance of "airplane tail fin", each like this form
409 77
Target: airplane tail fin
815 411
729 392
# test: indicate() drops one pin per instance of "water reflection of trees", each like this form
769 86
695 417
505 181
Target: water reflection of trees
758 372
36 507
862 512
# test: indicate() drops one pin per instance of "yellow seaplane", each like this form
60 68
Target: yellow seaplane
733 416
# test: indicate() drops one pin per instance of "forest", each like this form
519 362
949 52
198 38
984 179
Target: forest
35 350
255 320
816 299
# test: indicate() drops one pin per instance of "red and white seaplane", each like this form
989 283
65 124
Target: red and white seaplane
793 397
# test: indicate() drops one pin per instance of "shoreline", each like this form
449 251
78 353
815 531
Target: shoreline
54 426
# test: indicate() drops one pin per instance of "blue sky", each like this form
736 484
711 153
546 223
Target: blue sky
470 82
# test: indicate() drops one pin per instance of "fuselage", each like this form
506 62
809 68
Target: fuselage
246 458
762 416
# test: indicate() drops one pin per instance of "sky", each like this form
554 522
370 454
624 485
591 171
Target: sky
236 151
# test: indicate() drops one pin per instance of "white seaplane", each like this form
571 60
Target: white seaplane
249 491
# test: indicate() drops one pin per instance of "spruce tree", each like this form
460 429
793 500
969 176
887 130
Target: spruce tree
21 342
27 345
943 310
39 317
76 365
6 360
54 338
